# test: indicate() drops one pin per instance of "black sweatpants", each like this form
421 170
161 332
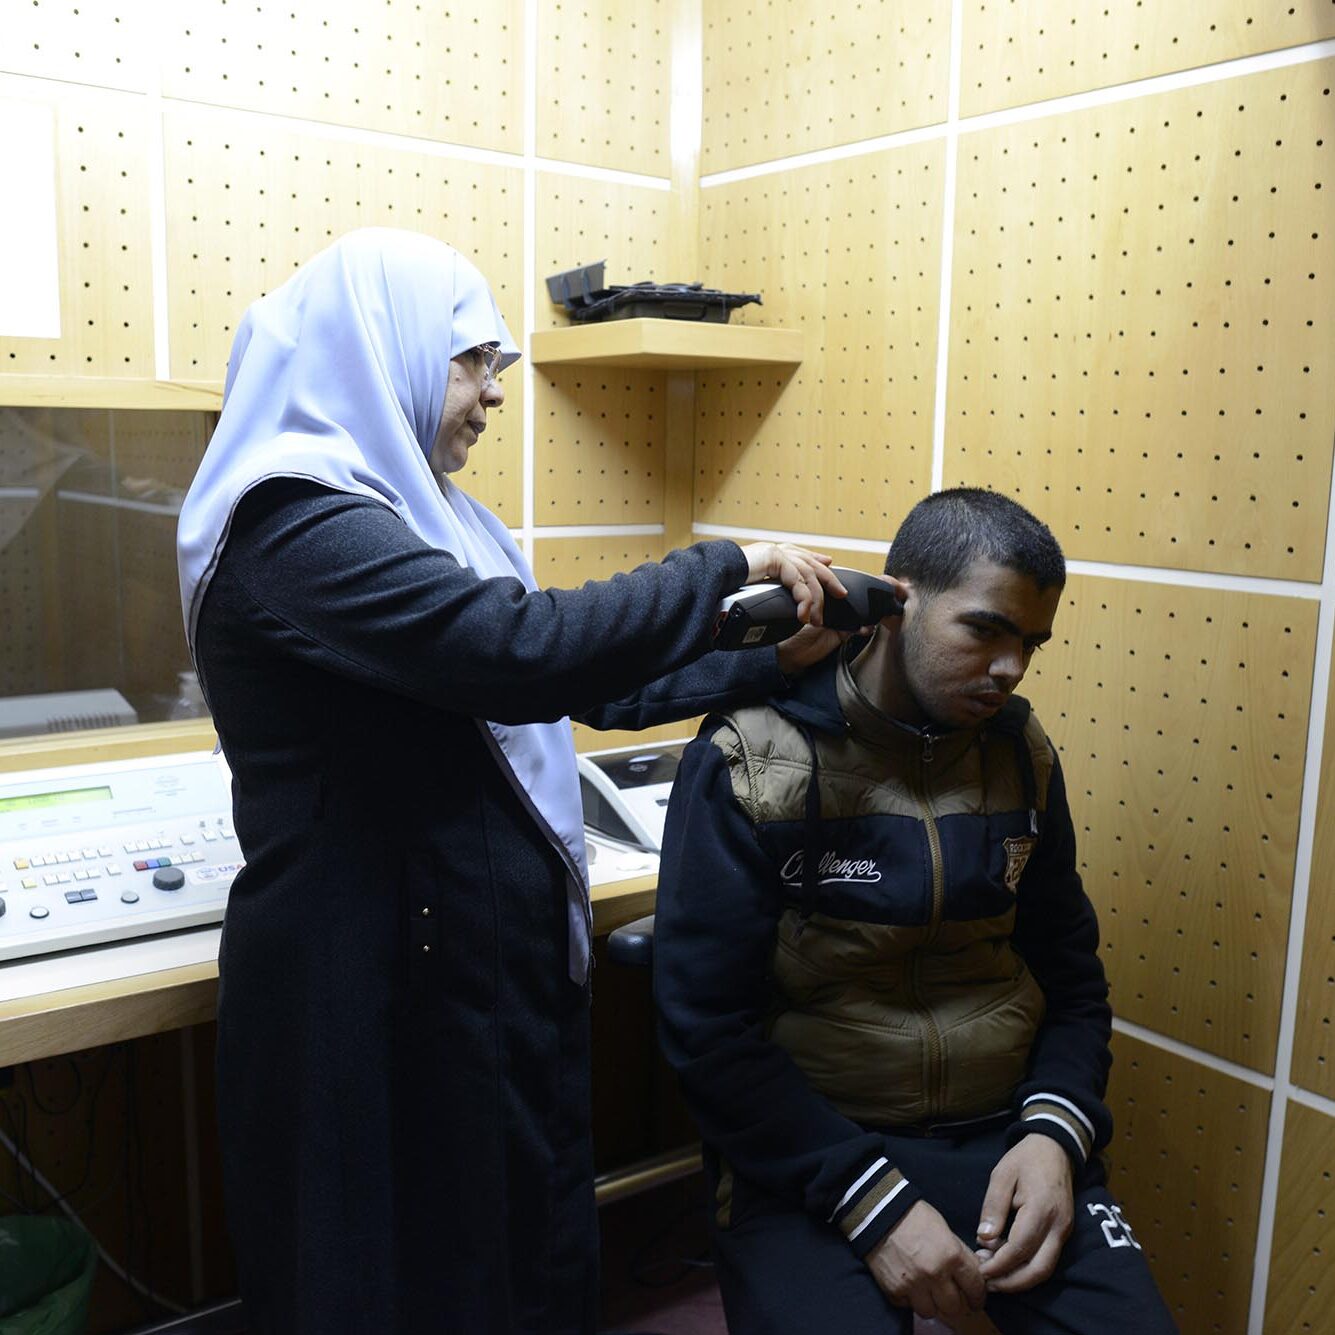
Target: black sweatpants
783 1272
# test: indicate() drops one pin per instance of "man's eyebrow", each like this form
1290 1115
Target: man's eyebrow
1006 624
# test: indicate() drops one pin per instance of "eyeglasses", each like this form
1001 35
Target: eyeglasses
490 356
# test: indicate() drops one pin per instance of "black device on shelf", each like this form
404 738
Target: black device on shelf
586 300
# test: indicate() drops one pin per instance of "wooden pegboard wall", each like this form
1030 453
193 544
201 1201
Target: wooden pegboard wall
275 198
599 447
1185 1161
567 563
21 595
159 449
84 591
580 222
783 79
1014 53
1181 719
848 252
1139 330
448 71
1314 1033
604 83
106 299
100 42
152 633
599 432
1301 1290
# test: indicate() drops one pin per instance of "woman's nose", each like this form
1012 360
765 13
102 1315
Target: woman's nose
493 395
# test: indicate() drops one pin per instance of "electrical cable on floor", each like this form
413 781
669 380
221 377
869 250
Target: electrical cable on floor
25 1163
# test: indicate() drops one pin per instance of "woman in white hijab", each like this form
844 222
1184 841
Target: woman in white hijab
403 1005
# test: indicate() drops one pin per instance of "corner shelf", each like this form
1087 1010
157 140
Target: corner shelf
672 345
71 391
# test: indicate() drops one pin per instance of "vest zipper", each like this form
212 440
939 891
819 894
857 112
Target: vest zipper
931 1032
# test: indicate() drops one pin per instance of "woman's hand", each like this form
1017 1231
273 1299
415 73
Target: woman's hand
806 575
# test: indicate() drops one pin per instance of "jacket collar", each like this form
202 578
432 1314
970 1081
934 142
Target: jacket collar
829 699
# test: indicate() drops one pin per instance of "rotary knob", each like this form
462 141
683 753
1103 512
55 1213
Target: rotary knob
169 878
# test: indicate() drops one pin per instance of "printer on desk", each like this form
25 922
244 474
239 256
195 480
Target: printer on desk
625 793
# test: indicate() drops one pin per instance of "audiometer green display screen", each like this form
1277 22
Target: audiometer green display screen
64 798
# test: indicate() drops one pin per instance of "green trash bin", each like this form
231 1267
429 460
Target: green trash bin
46 1276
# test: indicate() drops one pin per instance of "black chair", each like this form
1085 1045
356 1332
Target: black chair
632 943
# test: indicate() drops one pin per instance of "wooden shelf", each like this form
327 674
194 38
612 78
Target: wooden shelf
666 345
35 391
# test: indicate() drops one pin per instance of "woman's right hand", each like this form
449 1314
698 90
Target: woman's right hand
806 575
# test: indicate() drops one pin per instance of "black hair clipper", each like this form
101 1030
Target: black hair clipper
761 614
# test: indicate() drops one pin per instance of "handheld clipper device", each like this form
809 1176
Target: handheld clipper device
761 614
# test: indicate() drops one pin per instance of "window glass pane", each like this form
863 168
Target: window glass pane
92 633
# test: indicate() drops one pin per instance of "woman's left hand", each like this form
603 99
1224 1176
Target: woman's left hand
805 574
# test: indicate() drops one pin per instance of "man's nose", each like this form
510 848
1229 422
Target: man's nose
1007 669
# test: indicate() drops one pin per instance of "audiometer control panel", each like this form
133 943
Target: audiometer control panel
94 853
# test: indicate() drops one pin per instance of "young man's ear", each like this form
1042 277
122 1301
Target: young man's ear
903 593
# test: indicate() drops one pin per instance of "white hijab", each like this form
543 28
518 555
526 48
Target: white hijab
339 376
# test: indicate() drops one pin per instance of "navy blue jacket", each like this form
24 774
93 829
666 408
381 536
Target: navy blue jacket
754 1026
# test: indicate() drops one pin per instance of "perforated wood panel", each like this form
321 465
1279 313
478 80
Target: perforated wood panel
21 595
781 79
93 41
848 252
277 198
1186 1159
566 563
106 298
1301 1291
604 83
1139 335
1314 1035
599 432
160 449
599 447
581 222
1017 51
1181 716
85 592
439 71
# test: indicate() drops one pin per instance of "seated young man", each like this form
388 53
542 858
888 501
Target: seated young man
878 976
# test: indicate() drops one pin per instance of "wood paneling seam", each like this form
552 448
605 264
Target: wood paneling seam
1302 879
1130 92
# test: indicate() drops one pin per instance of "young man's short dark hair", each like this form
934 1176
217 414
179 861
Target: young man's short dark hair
945 533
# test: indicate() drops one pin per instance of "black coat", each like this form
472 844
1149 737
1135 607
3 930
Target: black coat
405 1132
